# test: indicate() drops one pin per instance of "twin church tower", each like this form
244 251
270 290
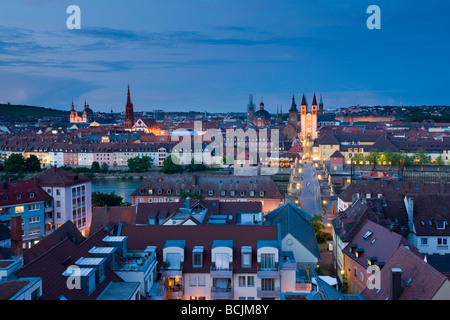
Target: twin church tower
307 129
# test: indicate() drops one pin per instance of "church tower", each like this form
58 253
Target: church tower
129 113
314 118
321 105
293 114
250 111
303 112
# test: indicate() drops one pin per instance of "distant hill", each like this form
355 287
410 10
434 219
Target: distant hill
22 111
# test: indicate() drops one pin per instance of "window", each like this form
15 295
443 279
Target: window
252 193
261 193
31 195
34 231
210 192
250 281
201 281
34 207
58 203
267 260
246 259
34 219
18 209
197 259
193 281
241 281
268 284
58 192
356 272
440 225
442 241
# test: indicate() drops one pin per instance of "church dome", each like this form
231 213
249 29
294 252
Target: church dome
262 114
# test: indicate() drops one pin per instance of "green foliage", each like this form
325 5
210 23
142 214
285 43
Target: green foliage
195 166
192 195
318 226
169 167
15 163
140 164
104 168
95 167
100 199
32 164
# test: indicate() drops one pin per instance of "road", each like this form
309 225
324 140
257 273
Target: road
309 194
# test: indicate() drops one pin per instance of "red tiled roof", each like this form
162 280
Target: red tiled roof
51 265
139 237
57 177
19 192
104 216
425 280
67 231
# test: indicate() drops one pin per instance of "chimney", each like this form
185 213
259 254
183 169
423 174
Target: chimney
188 203
16 237
396 283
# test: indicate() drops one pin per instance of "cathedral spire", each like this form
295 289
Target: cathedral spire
314 103
293 105
303 100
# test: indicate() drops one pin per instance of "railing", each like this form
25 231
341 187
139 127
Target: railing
221 293
171 272
268 273
174 293
221 272
268 293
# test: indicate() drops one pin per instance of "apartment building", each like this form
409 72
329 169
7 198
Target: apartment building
72 197
29 201
169 188
215 262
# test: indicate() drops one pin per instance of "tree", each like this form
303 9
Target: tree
104 168
318 226
95 167
421 157
100 199
15 163
192 195
440 161
169 167
32 164
196 166
140 164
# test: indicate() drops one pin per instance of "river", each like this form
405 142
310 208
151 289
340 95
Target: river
122 188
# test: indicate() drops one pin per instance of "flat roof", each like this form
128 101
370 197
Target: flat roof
119 291
175 243
102 250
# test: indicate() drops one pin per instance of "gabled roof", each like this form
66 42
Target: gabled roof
21 192
139 237
296 222
68 230
57 177
337 154
420 281
376 241
51 265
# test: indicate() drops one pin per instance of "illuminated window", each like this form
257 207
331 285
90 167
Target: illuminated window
18 209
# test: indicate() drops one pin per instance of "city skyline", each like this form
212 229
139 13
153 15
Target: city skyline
207 57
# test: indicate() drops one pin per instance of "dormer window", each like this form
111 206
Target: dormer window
246 256
261 193
440 225
252 193
222 193
150 191
197 257
232 193
210 192
242 193
31 195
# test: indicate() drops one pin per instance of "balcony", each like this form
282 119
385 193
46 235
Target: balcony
171 271
221 272
221 293
268 273
268 293
174 293
136 263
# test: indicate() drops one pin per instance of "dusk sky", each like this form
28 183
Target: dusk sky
209 55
